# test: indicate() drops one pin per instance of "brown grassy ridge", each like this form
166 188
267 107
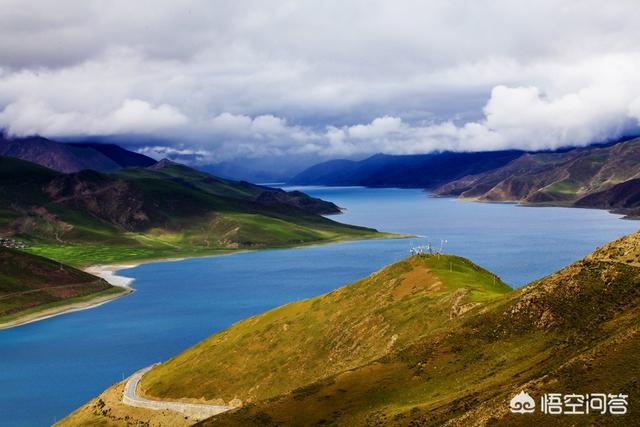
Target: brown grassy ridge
575 331
30 283
311 339
427 341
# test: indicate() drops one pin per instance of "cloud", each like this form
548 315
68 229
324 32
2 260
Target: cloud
179 154
523 116
634 109
139 116
379 127
514 117
256 78
262 126
228 123
28 117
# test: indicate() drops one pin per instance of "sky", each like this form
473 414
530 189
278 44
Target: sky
216 80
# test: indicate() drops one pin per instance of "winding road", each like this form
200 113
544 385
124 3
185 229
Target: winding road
194 410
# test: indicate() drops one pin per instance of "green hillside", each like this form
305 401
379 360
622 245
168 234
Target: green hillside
31 285
575 331
163 211
427 341
303 342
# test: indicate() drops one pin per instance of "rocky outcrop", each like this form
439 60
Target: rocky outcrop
112 200
296 199
623 197
584 176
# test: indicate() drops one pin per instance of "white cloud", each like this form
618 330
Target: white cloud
179 154
634 109
379 127
523 116
28 117
266 127
254 77
514 117
139 116
231 123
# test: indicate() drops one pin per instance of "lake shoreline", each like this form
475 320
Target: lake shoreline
177 305
108 272
625 214
71 307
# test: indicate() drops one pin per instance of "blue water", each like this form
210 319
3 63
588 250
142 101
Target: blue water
49 368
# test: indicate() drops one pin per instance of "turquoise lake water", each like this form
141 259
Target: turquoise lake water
49 368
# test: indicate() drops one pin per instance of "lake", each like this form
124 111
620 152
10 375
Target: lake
49 368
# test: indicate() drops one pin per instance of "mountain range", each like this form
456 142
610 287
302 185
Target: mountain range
72 157
595 177
603 176
410 171
76 214
166 209
272 169
430 340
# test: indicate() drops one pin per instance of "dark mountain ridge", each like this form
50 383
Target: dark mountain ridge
72 157
623 198
594 176
124 158
405 171
601 176
143 198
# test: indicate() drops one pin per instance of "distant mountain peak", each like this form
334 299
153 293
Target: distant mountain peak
73 157
407 171
163 163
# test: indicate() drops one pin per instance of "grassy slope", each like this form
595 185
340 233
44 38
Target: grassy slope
304 341
417 344
191 213
29 284
188 213
575 331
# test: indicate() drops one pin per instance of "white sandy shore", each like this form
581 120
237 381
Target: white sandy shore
105 272
108 273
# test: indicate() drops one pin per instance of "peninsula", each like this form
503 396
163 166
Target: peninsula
430 340
167 210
